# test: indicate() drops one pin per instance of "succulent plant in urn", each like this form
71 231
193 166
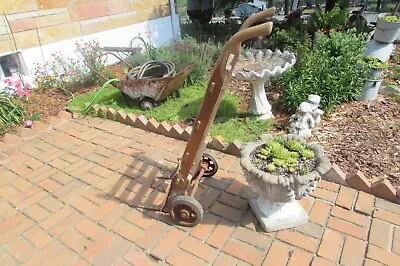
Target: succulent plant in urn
282 169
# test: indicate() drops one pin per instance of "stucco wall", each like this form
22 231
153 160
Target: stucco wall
56 24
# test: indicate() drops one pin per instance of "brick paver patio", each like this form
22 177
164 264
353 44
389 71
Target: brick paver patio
65 198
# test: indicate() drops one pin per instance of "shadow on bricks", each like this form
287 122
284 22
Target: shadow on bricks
143 183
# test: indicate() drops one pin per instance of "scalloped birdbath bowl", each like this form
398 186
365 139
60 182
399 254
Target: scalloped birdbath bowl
275 205
256 66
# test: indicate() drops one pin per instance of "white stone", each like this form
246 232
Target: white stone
274 216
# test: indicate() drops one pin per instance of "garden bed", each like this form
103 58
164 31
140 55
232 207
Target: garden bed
364 136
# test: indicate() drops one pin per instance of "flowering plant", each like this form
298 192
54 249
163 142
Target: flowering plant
15 85
69 74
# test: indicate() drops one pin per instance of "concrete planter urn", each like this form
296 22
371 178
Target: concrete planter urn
275 205
386 31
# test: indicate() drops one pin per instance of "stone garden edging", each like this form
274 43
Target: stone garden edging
381 188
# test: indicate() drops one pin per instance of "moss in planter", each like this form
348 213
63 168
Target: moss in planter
395 19
279 157
375 63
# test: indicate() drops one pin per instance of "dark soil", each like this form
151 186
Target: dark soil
44 103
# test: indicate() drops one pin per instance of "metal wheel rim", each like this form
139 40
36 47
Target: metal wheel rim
212 166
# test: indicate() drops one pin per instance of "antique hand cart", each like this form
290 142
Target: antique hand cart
194 164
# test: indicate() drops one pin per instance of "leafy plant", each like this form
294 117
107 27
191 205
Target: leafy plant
68 74
11 111
373 62
334 19
327 70
284 155
91 55
182 53
391 18
290 39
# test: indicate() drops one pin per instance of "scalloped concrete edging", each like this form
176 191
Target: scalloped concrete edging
9 142
381 188
164 128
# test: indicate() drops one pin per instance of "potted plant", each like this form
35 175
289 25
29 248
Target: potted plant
387 28
282 170
373 83
375 66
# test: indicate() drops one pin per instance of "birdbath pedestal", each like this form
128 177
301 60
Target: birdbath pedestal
255 67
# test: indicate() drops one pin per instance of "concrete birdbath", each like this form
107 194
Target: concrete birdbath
256 66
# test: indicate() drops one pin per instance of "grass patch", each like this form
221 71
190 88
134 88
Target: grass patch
229 123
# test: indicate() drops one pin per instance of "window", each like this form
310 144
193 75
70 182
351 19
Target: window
12 64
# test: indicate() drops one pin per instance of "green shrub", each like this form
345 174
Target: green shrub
182 53
334 19
290 39
217 33
328 70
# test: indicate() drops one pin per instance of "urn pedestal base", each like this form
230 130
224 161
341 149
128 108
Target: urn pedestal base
274 216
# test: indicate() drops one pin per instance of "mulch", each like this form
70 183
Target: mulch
364 136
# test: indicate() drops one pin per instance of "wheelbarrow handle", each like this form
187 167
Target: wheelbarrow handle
257 17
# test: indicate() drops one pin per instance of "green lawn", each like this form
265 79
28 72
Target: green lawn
228 123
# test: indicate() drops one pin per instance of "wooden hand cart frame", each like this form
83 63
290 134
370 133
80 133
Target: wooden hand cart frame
194 165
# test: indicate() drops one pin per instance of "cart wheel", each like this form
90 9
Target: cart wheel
147 104
186 211
212 165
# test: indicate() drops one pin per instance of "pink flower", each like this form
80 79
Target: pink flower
9 82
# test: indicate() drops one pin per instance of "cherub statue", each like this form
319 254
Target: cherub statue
317 113
306 117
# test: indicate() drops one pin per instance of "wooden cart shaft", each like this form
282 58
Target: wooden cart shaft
221 75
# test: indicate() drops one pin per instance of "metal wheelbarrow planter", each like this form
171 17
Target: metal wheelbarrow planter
194 165
149 91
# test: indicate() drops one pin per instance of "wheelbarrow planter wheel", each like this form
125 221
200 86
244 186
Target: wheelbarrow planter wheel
212 165
147 104
186 211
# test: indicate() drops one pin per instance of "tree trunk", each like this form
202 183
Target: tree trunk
384 5
378 5
270 3
287 7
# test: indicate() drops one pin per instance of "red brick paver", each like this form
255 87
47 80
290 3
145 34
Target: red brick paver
67 197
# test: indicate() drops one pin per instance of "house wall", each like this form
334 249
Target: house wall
41 27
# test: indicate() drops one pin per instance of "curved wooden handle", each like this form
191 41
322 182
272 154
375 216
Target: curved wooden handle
249 33
257 17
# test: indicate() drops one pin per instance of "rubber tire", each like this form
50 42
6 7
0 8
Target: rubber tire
215 170
146 104
187 201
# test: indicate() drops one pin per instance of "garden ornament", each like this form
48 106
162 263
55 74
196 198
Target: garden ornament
256 66
306 117
275 203
194 164
317 113
28 123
